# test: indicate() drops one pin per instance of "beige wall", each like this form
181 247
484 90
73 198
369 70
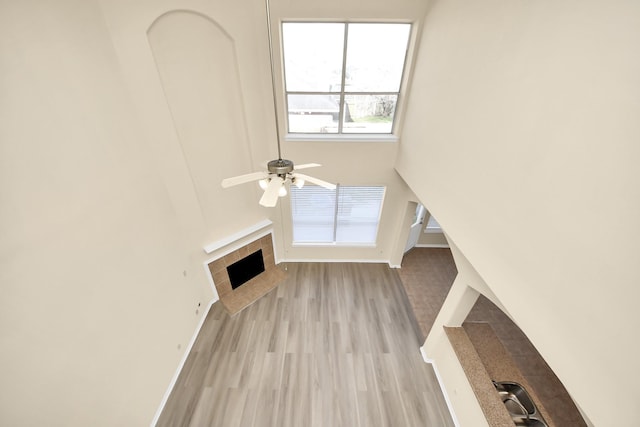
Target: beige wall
432 239
99 285
528 110
196 92
106 206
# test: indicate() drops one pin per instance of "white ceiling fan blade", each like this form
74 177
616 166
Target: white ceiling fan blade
306 166
241 179
270 196
316 181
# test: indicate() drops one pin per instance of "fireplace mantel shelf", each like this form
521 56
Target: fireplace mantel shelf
237 236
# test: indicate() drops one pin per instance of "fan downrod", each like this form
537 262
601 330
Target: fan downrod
280 167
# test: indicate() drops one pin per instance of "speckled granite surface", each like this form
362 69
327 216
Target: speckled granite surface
234 300
491 404
484 358
498 362
247 294
548 387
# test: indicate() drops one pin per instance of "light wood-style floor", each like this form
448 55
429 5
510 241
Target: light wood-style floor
333 345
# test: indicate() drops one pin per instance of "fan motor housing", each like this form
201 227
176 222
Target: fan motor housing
280 167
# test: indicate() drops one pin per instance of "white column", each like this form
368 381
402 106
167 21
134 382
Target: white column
438 351
457 306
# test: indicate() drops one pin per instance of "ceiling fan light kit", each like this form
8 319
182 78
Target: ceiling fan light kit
281 171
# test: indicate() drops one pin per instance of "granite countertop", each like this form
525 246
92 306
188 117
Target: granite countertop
484 358
490 403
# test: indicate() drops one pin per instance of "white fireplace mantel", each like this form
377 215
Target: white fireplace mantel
214 246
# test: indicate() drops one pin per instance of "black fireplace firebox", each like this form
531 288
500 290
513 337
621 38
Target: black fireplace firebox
246 269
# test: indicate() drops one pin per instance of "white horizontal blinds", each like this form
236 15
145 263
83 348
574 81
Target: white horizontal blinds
313 210
345 215
358 214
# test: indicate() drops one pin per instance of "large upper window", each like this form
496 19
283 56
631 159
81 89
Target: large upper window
344 215
343 78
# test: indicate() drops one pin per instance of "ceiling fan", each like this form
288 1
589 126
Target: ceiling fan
281 171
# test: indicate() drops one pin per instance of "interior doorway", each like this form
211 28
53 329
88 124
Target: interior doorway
416 227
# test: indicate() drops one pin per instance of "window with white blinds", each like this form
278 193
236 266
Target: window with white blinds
345 215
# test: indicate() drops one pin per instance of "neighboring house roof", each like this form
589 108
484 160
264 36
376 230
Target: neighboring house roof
313 104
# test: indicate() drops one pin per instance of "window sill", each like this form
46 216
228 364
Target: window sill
333 245
308 137
433 231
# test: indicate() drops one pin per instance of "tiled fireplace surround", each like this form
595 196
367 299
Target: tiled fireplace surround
234 300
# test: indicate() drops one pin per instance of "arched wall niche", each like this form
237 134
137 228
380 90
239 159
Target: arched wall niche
196 61
190 12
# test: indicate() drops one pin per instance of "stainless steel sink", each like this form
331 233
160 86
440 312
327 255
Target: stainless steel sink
531 422
519 404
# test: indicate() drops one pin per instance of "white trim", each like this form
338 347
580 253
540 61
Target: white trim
441 384
240 243
370 261
276 258
211 247
425 357
181 364
432 245
332 244
432 226
342 137
394 265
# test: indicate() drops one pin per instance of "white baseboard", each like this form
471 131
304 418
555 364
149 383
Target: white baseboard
441 384
369 261
187 351
432 245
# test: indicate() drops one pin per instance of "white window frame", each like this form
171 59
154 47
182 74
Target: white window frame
335 220
432 226
349 137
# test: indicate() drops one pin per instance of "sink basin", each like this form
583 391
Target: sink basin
519 404
531 422
515 397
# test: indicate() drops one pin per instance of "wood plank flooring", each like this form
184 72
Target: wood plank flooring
332 345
